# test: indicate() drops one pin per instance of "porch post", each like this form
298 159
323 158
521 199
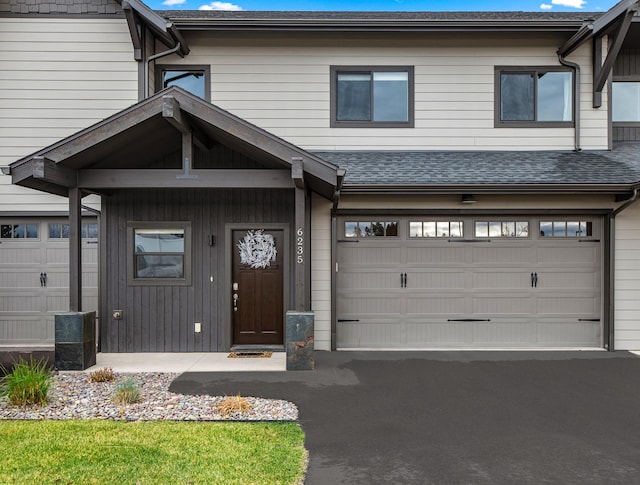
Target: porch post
301 254
75 250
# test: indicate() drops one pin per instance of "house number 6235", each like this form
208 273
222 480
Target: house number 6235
300 246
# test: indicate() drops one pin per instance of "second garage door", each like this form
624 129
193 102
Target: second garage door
482 282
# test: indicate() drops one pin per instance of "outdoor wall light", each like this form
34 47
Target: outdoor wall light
212 240
468 199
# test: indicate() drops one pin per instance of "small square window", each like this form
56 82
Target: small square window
159 253
194 79
371 96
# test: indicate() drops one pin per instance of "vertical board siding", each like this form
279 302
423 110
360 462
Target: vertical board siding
281 83
59 76
627 276
162 318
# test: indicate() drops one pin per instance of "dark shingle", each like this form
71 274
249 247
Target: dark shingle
426 168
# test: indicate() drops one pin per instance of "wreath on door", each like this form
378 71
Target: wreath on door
257 249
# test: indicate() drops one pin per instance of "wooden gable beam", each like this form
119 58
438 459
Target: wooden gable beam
601 70
173 114
43 169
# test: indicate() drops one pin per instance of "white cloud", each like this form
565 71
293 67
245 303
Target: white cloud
171 3
218 6
546 6
569 3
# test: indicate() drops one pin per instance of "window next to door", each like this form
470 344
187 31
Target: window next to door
195 79
159 253
533 97
371 96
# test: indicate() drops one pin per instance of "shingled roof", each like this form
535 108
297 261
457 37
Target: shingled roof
612 171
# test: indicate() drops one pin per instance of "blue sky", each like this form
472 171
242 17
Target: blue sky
391 5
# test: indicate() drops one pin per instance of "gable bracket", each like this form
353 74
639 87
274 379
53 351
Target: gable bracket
601 70
173 114
135 29
47 170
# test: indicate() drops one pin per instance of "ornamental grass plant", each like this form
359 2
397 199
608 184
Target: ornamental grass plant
27 384
127 392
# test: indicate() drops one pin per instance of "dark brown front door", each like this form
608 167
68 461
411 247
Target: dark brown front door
257 287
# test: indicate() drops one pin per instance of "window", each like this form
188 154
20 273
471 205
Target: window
370 229
195 79
160 253
435 229
61 231
502 229
625 101
380 96
19 231
565 228
533 97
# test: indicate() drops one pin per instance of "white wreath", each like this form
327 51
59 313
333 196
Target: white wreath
257 249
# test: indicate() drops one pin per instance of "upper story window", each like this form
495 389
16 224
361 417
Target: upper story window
378 96
195 79
625 102
533 97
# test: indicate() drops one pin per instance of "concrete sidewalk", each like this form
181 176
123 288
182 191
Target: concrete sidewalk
188 362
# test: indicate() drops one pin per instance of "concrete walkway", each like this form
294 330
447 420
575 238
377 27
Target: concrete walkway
457 417
188 362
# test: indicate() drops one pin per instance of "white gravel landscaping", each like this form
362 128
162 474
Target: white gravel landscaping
74 396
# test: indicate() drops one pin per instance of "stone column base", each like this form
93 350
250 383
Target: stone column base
299 341
75 340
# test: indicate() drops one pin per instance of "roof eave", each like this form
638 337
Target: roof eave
490 189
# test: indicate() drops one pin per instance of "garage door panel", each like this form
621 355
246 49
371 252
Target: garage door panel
567 305
501 304
19 278
435 279
371 334
502 255
20 302
19 256
368 279
437 334
568 254
500 279
564 333
512 333
25 330
370 304
435 304
435 255
569 279
363 254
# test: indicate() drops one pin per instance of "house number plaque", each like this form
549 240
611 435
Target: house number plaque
300 246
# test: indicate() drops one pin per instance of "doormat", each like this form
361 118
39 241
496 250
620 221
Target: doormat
249 355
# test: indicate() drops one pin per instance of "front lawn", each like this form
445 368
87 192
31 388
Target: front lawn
150 453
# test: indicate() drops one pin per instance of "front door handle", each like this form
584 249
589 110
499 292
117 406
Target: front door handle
235 302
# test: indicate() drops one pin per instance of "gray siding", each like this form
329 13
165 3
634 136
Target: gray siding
161 318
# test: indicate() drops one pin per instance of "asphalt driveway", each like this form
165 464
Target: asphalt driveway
458 417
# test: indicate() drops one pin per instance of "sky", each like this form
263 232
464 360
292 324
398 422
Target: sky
388 5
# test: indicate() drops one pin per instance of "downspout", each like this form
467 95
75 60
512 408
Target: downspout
334 257
576 106
612 229
153 58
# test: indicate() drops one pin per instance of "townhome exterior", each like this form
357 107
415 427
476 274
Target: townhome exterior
425 180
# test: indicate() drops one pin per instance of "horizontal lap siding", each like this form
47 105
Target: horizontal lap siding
58 77
282 85
321 271
161 318
627 275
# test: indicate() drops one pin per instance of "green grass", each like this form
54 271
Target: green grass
150 453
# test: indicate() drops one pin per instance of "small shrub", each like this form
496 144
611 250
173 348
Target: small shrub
27 384
233 405
127 392
103 375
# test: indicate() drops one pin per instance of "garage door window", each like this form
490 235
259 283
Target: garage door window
502 229
566 228
18 231
358 229
435 229
61 231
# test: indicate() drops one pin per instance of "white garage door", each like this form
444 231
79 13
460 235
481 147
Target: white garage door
34 277
482 282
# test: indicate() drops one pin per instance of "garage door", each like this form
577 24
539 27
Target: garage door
34 277
482 282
